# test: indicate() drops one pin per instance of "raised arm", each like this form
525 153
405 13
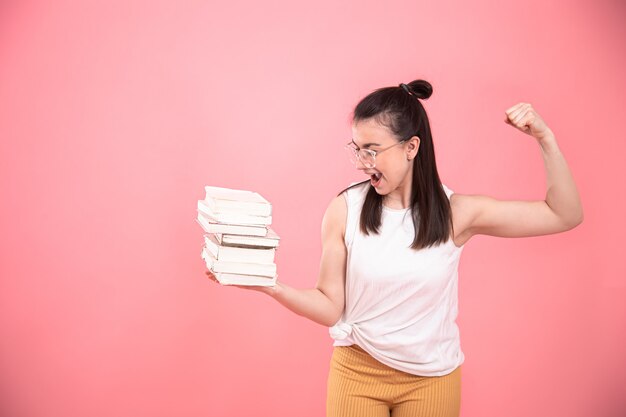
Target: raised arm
560 211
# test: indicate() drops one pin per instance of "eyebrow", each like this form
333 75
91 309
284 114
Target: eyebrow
367 145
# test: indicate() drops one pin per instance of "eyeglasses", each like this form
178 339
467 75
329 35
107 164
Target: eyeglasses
366 156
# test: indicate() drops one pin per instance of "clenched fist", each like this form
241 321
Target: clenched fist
523 117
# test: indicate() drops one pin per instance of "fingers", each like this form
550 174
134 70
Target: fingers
520 115
513 108
518 112
211 276
527 119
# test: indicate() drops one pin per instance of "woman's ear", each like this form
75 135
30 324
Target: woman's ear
413 148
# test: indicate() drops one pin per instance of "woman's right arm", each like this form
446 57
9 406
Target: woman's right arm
323 304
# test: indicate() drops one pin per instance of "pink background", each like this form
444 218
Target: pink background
115 114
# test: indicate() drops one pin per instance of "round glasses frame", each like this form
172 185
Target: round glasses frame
367 156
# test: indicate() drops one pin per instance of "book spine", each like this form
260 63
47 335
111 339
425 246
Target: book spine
213 247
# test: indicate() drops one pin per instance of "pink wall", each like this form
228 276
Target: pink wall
113 116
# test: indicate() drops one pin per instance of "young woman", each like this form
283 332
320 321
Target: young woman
387 285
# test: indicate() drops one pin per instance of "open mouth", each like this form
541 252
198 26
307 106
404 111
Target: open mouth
376 178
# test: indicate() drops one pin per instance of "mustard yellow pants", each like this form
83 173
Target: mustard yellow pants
361 386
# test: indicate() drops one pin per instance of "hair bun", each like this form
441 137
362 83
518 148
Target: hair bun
421 88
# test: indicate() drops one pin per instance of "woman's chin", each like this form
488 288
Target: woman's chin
379 189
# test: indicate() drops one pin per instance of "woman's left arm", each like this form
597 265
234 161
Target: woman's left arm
560 211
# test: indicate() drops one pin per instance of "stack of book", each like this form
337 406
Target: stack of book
239 244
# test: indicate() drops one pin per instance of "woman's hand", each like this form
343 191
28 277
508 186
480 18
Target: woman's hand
265 289
525 118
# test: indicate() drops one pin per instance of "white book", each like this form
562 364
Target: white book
267 270
237 279
271 240
233 218
223 199
233 229
238 254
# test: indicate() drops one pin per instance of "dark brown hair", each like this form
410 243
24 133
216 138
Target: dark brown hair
403 114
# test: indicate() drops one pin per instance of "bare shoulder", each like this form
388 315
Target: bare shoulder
334 221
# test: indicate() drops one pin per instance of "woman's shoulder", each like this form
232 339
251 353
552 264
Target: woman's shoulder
335 214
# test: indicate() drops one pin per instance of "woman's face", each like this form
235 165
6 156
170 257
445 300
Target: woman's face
394 165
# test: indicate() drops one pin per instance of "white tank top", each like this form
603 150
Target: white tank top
401 303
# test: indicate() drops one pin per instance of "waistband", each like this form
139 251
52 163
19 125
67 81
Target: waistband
357 361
